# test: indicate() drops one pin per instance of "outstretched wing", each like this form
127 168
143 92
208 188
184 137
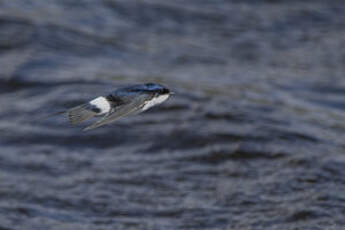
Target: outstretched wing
134 106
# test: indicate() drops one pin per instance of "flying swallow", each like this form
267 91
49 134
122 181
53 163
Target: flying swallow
120 103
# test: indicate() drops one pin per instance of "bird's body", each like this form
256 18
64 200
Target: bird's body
122 102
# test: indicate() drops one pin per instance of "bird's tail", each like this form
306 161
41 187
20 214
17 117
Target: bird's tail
76 114
80 113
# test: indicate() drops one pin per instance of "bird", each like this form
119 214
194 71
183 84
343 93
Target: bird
121 102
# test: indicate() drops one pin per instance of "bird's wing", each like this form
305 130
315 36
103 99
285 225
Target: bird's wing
120 111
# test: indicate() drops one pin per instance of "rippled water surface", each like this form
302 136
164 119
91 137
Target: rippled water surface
252 139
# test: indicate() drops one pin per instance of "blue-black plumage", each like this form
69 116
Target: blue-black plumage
122 102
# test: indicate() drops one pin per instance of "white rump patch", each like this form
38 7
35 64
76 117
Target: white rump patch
155 101
102 104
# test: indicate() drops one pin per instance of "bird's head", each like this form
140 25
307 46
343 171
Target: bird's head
150 88
157 89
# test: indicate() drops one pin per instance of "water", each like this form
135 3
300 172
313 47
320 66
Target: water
252 139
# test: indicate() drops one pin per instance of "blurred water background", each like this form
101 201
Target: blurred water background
252 139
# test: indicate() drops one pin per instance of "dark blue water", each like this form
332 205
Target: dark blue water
252 139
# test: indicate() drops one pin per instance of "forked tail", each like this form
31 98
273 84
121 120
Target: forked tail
80 113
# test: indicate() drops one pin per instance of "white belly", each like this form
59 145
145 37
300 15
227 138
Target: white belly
155 101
